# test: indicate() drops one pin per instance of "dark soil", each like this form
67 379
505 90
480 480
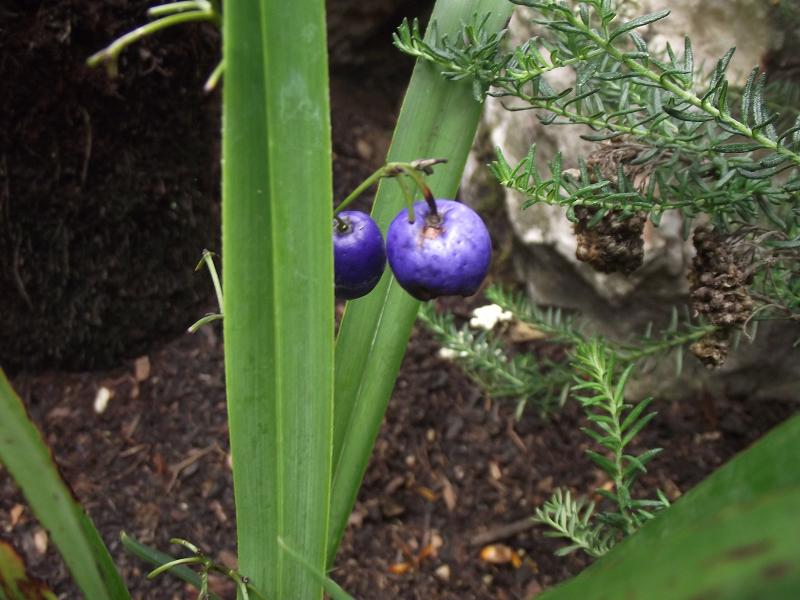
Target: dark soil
105 261
109 188
451 469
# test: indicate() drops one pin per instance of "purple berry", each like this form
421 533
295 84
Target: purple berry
359 256
439 255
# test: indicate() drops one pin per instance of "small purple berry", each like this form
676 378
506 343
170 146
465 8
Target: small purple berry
439 255
359 256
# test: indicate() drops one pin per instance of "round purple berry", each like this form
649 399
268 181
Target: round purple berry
442 254
359 256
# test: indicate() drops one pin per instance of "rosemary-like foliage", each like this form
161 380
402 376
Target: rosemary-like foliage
689 141
488 363
600 388
541 381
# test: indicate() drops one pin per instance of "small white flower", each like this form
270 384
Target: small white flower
447 353
487 317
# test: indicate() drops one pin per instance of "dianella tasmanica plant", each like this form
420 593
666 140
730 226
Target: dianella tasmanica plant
304 407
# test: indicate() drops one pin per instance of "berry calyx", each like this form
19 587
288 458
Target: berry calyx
446 251
359 256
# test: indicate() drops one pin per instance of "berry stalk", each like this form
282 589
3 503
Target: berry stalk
414 170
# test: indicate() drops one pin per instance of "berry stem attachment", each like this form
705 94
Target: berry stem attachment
413 169
341 224
363 186
414 173
409 199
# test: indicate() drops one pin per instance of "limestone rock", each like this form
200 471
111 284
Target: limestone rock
617 305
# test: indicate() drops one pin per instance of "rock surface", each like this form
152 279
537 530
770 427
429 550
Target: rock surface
617 305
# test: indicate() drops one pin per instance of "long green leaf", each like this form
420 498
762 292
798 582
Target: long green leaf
438 119
734 536
28 460
278 287
334 591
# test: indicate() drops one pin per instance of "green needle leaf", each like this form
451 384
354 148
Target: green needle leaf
736 148
684 115
639 22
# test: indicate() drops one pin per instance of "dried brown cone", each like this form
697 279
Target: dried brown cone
712 349
614 245
718 281
718 289
608 159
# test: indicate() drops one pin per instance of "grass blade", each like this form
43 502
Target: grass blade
438 119
278 287
334 591
28 460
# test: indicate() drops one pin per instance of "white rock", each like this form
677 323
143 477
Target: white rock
615 305
720 25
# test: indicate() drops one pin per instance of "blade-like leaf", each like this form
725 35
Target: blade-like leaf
636 428
734 148
438 119
334 591
619 391
639 22
278 287
28 460
634 413
734 536
602 462
685 115
747 97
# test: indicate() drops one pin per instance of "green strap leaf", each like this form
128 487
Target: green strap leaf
278 287
438 119
334 591
28 460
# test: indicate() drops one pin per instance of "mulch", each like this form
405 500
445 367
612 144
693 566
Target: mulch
452 472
